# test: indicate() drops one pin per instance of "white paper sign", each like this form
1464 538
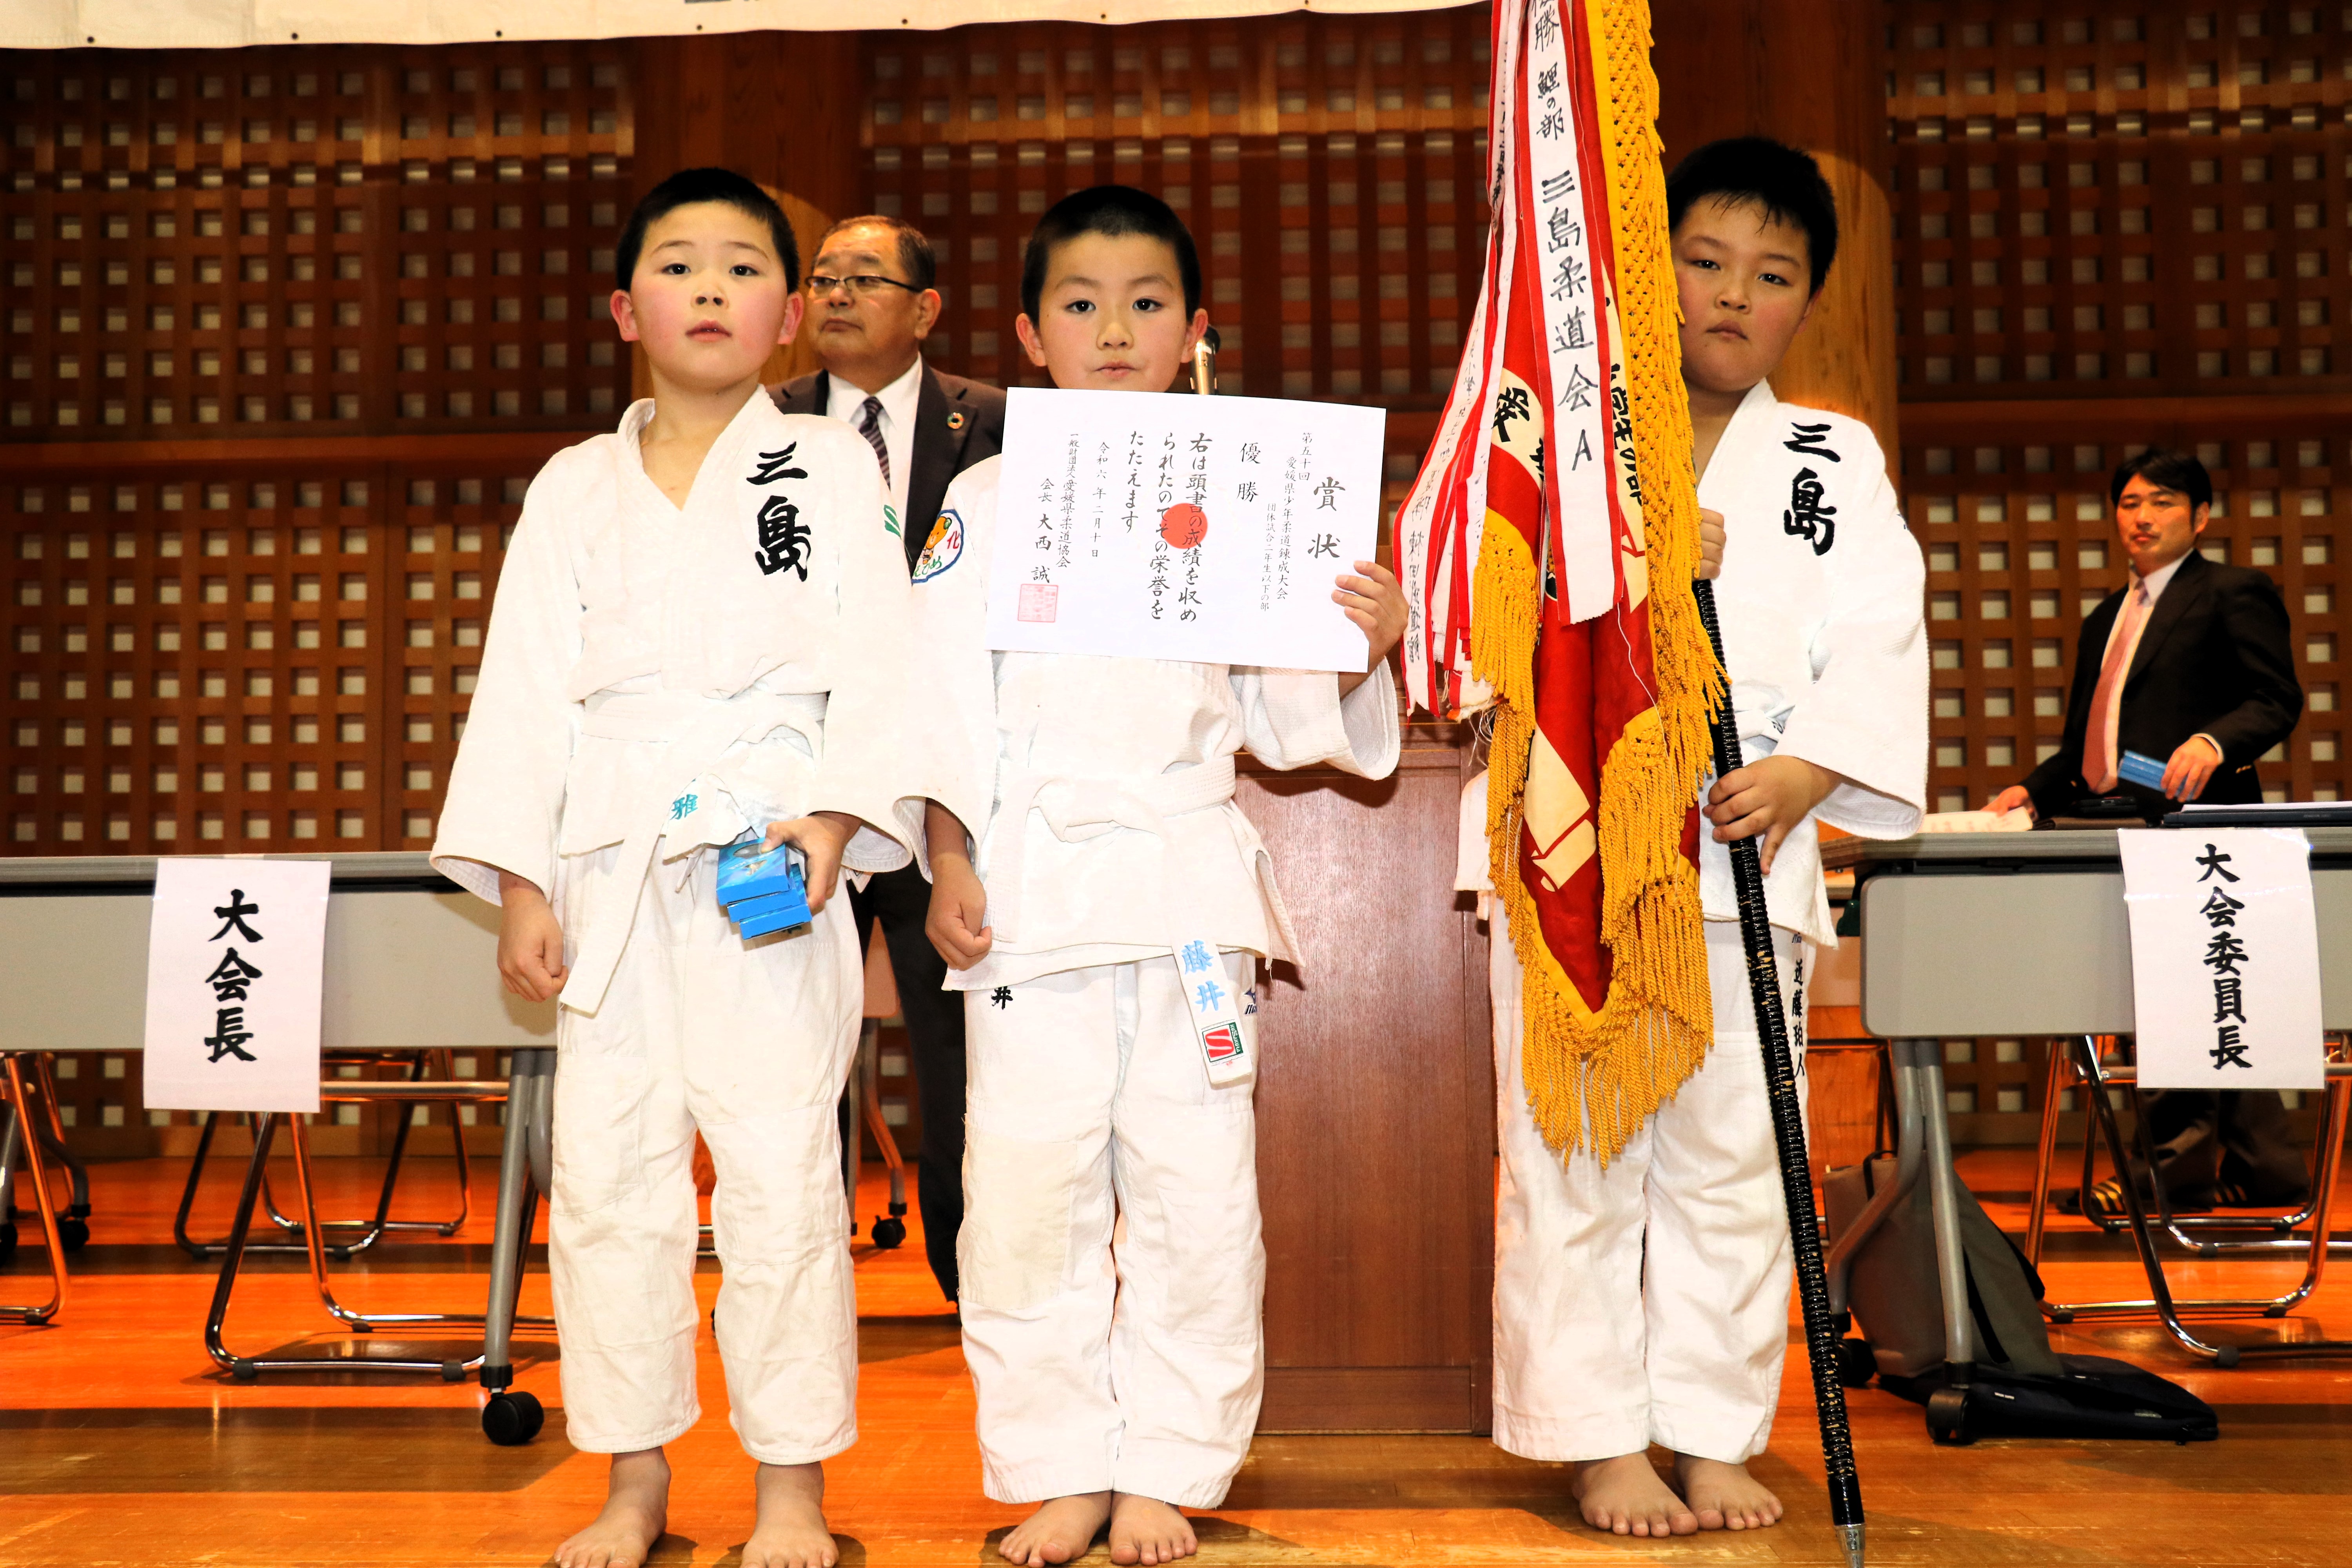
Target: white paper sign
234 963
1176 526
2225 957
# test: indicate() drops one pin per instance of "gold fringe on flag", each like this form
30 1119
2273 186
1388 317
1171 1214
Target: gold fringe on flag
1594 1077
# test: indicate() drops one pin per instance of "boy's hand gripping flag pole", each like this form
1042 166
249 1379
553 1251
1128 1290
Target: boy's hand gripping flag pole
1556 495
1789 1134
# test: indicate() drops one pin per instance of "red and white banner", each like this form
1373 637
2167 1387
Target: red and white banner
1527 546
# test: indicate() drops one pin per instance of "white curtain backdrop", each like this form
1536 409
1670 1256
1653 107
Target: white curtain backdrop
231 24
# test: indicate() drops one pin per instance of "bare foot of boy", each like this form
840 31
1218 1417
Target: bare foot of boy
1626 1497
1061 1530
1724 1497
1146 1531
790 1529
636 1511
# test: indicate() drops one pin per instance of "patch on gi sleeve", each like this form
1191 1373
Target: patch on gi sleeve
942 550
783 538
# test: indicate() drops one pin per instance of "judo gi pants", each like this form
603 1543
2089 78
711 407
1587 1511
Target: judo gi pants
749 1043
1648 1302
899 901
1112 1266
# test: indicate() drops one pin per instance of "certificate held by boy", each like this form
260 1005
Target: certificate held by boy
1175 526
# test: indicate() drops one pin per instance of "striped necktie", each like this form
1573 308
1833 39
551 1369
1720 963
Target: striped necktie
869 424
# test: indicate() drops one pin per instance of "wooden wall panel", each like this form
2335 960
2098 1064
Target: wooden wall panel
1376 1105
1806 72
2116 226
374 240
1329 167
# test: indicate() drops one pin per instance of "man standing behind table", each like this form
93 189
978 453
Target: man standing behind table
871 304
2189 665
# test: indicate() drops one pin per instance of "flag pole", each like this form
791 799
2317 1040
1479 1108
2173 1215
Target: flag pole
1789 1134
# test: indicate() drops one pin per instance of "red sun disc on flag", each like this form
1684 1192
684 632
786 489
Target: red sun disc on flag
1184 525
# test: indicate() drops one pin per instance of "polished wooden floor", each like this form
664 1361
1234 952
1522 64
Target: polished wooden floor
119 1444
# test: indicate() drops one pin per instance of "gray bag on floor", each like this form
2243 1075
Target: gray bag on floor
2018 1388
1896 1297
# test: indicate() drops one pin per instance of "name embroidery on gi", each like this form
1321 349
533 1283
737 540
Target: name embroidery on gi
1808 438
784 537
1807 518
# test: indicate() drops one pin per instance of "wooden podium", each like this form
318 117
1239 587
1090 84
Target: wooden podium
1376 1105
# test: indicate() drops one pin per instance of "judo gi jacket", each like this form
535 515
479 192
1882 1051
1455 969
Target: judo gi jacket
1102 788
757 633
1822 605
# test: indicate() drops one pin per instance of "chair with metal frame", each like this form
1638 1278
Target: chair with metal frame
505 1270
48 1130
34 1132
424 1065
2281 1226
2099 1077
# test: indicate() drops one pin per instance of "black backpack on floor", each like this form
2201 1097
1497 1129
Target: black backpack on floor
2020 1388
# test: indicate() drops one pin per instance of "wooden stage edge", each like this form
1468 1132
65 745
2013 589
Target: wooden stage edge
1367 1399
119 1446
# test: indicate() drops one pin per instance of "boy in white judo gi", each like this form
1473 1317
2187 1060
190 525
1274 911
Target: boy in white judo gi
1110 1258
1649 1304
698 634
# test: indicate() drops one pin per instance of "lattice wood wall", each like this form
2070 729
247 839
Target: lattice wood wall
274 241
2116 223
1329 168
256 640
334 306
275 656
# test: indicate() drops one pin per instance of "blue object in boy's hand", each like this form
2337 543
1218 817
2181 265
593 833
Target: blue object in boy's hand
768 888
2141 769
769 911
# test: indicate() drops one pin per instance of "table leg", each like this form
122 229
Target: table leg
507 1246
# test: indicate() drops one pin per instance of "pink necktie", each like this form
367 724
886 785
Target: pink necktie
2099 738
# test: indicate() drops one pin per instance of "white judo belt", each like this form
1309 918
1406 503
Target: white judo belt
697 731
1080 808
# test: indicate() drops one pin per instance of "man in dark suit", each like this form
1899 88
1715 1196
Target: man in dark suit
2190 665
2187 663
871 303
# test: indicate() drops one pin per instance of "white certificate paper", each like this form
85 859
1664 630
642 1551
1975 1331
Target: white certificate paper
1175 526
2225 957
234 958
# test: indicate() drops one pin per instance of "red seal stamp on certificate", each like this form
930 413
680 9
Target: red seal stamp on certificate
1039 601
1184 525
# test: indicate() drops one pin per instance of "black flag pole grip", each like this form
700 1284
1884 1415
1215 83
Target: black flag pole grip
1789 1132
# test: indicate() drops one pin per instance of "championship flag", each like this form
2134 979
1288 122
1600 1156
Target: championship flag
1549 545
